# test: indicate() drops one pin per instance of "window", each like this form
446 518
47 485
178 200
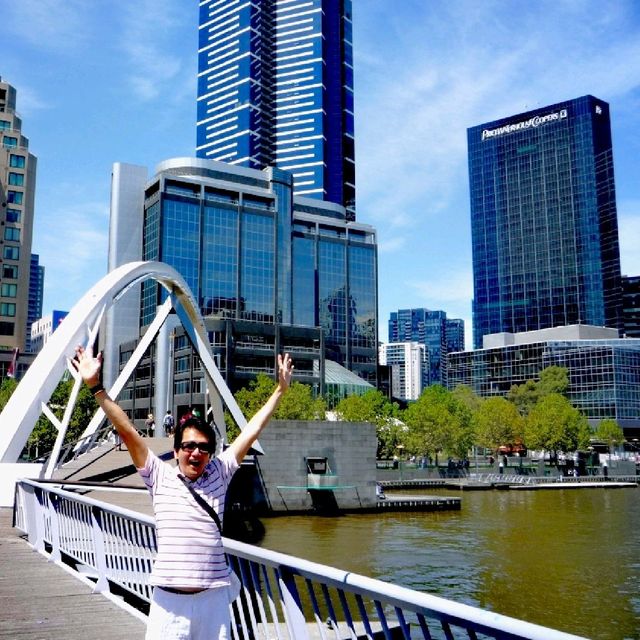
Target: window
12 253
16 161
6 328
16 179
15 197
14 215
10 141
8 309
11 233
10 271
9 290
4 124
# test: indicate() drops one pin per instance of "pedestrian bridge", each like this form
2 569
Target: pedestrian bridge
282 597
111 548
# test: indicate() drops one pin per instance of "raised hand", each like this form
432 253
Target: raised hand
285 370
88 366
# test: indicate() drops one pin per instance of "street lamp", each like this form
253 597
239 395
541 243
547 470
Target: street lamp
400 447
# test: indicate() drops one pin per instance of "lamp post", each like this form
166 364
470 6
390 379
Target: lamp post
400 448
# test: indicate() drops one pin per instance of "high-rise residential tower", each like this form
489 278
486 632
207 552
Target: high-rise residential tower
17 192
543 220
275 88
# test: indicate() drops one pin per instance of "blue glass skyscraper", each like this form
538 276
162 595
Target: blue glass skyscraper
275 88
432 329
543 220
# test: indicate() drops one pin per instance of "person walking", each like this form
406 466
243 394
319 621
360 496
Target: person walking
150 426
190 575
168 423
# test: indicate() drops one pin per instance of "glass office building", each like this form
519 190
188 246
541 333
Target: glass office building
435 331
275 88
631 306
257 256
543 220
604 375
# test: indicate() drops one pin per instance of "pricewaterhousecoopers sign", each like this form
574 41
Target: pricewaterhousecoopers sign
536 121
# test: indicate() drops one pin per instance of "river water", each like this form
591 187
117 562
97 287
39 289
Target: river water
563 558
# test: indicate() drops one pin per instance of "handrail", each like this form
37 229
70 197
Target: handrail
282 596
71 450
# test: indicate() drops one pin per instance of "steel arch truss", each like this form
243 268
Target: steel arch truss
80 327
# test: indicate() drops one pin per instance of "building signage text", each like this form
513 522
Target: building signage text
536 121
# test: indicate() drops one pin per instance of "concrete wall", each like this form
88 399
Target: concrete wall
351 451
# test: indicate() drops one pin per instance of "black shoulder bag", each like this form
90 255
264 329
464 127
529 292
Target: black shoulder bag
235 584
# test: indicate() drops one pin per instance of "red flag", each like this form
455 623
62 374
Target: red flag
13 367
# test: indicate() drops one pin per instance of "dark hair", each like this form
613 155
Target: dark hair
204 428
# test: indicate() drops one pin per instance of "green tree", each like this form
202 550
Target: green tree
554 425
44 433
374 407
438 421
297 404
498 422
610 432
7 388
465 394
551 379
524 396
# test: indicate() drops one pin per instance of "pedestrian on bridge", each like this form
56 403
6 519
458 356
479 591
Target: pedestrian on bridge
190 574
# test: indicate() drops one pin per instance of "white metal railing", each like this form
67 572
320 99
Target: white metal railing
282 597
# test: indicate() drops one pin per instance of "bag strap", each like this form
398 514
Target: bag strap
202 502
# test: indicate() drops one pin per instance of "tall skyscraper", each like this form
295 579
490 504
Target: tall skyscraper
275 88
432 329
543 220
17 191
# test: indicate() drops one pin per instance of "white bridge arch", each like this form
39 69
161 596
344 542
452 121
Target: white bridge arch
80 327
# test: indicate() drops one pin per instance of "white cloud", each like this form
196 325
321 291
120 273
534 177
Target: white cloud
156 66
53 25
75 264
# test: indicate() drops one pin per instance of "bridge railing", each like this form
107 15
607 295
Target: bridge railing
282 597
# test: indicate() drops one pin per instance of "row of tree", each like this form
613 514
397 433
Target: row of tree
536 414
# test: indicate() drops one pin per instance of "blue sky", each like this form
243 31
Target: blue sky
103 81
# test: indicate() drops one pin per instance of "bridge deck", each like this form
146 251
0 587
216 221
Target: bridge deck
40 601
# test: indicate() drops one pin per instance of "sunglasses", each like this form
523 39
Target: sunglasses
191 446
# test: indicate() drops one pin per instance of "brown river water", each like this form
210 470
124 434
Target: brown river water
563 558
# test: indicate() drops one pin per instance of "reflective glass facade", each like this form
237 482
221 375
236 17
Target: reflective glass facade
250 251
334 280
543 220
275 88
631 306
604 375
432 329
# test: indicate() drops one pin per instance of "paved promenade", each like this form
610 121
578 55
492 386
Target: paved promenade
41 601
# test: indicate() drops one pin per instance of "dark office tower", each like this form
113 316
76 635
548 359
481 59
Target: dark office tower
432 329
275 88
36 295
631 306
17 190
543 220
